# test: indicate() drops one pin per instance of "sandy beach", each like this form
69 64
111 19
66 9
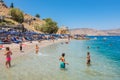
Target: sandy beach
27 48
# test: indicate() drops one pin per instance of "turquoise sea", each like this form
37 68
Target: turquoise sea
105 61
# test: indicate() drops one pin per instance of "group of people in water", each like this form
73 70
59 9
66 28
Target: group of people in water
63 62
8 54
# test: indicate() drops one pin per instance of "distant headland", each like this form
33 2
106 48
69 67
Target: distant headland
94 32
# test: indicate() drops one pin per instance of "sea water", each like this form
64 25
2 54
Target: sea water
105 61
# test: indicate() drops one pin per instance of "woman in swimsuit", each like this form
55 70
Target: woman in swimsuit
37 49
62 59
8 54
88 58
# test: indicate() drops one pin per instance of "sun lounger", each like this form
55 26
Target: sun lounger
15 40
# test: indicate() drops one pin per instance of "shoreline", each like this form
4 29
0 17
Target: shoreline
27 48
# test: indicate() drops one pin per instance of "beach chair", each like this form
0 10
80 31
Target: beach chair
14 40
28 38
5 41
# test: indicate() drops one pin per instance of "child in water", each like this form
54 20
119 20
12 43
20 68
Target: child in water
88 58
37 49
8 54
62 59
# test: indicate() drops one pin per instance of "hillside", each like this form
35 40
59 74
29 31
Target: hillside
113 32
29 21
94 32
4 10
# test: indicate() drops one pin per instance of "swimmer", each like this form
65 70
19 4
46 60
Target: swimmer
66 42
37 49
88 58
62 59
8 54
98 47
110 44
88 47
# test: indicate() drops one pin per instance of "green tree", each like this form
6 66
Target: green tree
17 15
37 27
49 27
37 15
12 5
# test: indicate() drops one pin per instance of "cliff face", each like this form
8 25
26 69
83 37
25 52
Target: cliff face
93 32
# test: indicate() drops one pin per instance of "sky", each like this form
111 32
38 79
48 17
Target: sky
96 14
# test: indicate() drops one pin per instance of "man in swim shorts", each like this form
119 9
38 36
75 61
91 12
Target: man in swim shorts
62 59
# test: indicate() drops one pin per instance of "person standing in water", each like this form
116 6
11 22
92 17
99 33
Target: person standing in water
88 58
8 54
62 59
88 47
37 49
21 47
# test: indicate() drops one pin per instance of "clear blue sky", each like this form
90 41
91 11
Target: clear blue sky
97 14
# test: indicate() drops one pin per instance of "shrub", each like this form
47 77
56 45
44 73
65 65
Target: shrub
17 15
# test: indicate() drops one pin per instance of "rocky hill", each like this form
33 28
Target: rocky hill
29 21
94 32
112 31
4 10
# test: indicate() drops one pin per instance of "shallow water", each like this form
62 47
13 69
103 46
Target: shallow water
45 66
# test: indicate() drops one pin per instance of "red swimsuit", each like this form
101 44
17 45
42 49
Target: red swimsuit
8 58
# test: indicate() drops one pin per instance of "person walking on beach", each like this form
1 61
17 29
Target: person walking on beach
88 58
8 54
62 59
37 49
21 47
